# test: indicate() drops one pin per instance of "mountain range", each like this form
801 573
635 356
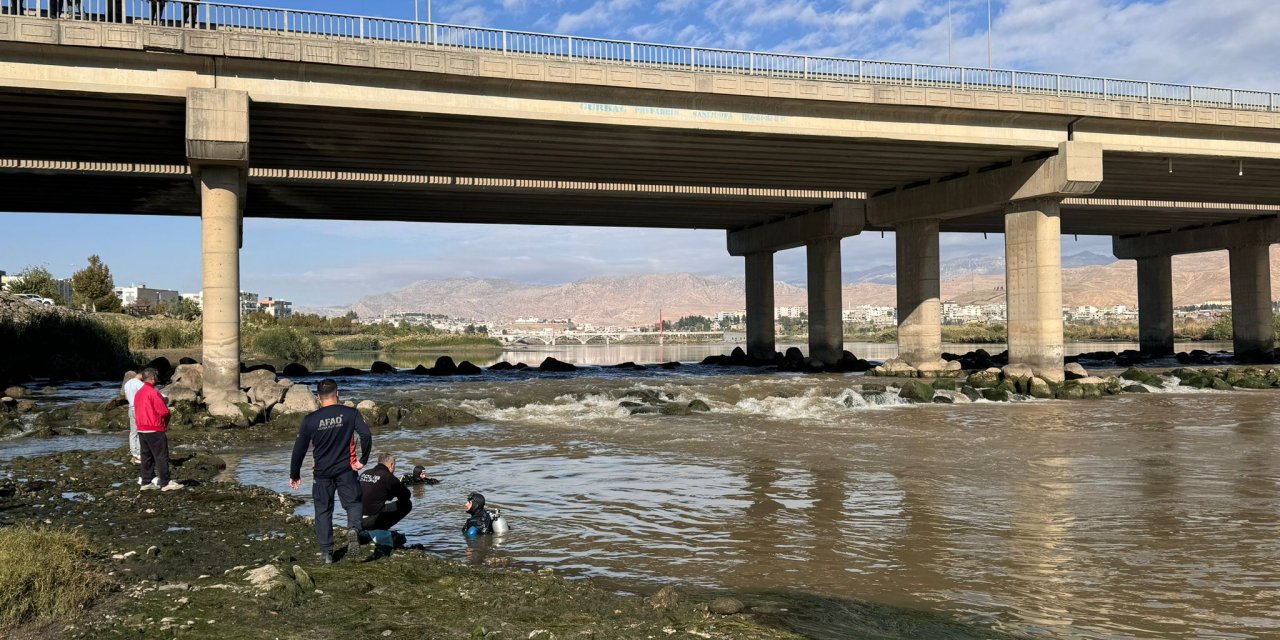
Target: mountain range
1088 279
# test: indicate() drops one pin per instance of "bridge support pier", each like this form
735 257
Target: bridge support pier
919 304
217 143
1251 317
826 323
1155 305
760 305
220 225
1033 285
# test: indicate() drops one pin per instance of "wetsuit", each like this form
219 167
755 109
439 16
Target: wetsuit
331 433
385 500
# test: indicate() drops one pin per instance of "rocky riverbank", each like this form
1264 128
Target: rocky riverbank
220 560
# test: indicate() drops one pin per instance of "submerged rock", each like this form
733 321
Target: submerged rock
725 606
294 370
379 366
551 364
468 369
916 391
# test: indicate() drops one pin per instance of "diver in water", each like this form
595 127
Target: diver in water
480 521
418 476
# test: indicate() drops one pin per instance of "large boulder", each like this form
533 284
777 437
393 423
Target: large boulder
191 376
1144 377
431 415
986 379
1040 388
266 394
298 399
445 366
162 366
1017 372
939 369
257 377
180 392
346 372
501 366
551 364
468 369
894 368
379 366
1074 371
20 392
916 391
294 370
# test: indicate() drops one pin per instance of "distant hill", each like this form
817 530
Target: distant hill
1091 279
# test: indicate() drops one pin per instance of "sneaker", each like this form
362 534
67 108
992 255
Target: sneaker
328 557
172 486
137 459
150 486
353 542
139 480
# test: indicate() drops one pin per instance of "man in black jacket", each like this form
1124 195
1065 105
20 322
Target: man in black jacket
331 433
385 502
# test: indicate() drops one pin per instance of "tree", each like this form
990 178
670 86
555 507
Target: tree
183 308
94 288
39 281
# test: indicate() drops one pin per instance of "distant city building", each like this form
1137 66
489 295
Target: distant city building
144 296
60 287
276 308
248 302
197 298
870 315
790 312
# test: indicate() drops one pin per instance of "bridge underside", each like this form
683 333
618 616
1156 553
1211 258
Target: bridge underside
387 148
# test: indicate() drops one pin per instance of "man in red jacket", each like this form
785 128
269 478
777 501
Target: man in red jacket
152 413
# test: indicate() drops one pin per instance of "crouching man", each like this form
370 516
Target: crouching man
386 502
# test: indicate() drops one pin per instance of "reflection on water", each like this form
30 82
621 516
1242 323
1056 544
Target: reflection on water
1138 516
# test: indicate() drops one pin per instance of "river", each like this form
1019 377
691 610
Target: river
1146 515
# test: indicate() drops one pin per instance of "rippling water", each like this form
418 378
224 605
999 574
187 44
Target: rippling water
1138 516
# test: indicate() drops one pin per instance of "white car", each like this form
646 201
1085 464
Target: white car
35 298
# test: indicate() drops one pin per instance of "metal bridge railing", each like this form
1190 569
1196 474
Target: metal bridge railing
233 17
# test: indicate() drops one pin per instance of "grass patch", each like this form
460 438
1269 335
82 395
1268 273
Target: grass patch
352 343
434 342
156 332
45 573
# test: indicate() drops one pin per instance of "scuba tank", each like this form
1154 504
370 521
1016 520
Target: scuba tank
499 522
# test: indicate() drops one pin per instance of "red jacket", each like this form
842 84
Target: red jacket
150 409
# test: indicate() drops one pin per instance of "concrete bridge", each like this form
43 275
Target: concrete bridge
604 337
232 111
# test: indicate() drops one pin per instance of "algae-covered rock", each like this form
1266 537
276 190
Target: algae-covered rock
916 391
1040 388
996 395
986 379
1136 388
944 384
725 606
432 415
1145 377
699 406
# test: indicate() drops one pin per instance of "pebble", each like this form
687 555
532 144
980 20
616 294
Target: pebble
153 551
725 606
386 633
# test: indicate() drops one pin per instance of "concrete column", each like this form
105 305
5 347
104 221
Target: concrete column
760 305
1251 298
220 194
1033 277
919 304
826 326
1155 305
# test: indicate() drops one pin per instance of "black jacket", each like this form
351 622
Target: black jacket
378 486
331 431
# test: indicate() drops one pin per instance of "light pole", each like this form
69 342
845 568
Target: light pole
989 63
950 60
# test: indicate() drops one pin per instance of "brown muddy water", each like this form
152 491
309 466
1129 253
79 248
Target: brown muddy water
1152 516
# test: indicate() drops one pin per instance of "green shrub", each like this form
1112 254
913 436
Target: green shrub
44 573
287 343
57 345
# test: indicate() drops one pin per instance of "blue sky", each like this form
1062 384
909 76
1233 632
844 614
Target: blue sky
1217 42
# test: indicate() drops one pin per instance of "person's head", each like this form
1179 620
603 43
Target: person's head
475 502
150 374
419 472
327 391
387 460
